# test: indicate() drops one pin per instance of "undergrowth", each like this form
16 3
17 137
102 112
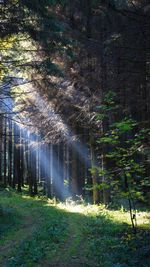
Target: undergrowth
39 232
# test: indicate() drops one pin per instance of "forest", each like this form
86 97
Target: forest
74 133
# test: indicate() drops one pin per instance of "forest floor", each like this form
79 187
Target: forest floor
37 232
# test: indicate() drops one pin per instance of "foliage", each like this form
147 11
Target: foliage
123 144
5 44
124 153
125 170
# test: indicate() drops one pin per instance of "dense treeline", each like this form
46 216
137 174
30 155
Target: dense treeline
74 78
56 169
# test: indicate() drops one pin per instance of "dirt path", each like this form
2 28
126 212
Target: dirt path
71 254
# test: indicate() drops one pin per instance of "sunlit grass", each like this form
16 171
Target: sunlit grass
143 218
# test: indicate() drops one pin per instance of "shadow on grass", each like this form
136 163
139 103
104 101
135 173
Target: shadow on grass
50 236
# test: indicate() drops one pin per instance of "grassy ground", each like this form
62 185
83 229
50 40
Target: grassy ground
37 232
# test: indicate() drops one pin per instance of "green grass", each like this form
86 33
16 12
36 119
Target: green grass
37 232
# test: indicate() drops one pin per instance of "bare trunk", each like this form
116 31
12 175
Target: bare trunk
94 174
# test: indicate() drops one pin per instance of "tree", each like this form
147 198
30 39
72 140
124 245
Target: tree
121 145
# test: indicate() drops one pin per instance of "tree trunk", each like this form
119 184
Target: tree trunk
5 152
1 147
10 155
94 174
74 178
